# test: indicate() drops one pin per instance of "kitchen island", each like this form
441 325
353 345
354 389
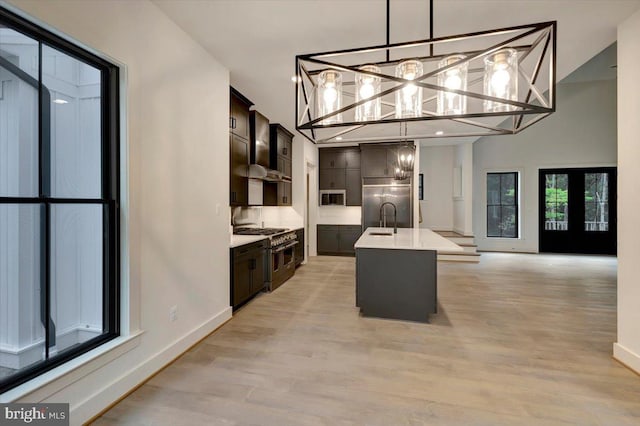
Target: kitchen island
396 273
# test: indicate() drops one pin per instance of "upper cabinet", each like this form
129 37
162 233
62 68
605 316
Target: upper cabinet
377 161
340 169
279 194
281 143
332 158
239 114
239 149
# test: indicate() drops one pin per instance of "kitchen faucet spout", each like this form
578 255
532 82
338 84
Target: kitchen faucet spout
383 216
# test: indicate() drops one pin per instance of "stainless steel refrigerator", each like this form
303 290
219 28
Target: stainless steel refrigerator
373 195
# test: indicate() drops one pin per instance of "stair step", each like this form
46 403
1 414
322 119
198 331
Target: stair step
461 240
459 257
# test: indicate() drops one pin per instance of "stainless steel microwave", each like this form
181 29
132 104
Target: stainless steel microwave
333 197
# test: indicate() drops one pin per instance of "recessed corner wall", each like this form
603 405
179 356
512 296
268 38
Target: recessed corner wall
177 109
581 133
627 349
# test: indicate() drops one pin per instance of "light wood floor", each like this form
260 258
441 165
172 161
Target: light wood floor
520 339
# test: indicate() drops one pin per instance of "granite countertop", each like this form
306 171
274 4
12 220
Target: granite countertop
406 239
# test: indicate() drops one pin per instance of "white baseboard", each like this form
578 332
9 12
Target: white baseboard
627 357
128 380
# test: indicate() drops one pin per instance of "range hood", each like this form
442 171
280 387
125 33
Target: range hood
256 171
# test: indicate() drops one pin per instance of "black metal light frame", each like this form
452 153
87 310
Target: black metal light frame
538 39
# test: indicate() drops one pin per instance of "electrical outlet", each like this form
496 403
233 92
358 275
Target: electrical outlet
173 313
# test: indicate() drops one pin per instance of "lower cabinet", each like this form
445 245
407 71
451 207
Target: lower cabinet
338 240
248 271
299 252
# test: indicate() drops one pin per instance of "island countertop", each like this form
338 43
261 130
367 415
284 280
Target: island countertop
406 239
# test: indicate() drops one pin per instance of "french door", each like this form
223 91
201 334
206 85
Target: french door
578 210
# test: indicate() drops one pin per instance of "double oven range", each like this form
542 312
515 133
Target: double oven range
279 257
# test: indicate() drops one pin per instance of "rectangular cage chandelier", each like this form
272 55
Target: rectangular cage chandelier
485 83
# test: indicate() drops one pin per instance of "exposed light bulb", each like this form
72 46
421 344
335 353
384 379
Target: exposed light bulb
410 89
60 101
367 87
366 91
500 80
453 82
453 77
409 97
439 133
330 95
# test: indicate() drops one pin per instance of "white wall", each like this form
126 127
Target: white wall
177 115
309 209
627 349
581 133
436 164
463 189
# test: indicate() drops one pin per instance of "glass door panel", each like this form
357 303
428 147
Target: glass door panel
556 202
596 202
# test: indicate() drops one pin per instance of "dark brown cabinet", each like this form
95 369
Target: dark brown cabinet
332 179
238 148
281 141
377 161
354 187
340 169
239 114
338 240
332 158
300 247
284 194
248 271
239 183
259 147
352 158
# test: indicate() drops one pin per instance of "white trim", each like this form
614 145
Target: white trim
128 380
71 371
627 357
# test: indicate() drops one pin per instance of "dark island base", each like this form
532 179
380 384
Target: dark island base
396 284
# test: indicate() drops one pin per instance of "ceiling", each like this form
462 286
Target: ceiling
257 40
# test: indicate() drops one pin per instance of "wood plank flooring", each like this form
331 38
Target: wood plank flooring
519 340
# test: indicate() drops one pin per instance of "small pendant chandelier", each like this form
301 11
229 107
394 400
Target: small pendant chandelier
492 82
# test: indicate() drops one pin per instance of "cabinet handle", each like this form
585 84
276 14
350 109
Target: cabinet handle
284 150
386 172
331 163
231 122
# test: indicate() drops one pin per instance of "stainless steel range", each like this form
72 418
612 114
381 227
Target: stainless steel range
280 257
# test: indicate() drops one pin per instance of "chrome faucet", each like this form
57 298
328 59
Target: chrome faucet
383 216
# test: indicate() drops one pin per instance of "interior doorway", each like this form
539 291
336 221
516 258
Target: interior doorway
577 210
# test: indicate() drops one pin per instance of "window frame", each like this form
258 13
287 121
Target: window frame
109 199
515 205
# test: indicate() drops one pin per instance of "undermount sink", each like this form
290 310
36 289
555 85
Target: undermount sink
381 233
